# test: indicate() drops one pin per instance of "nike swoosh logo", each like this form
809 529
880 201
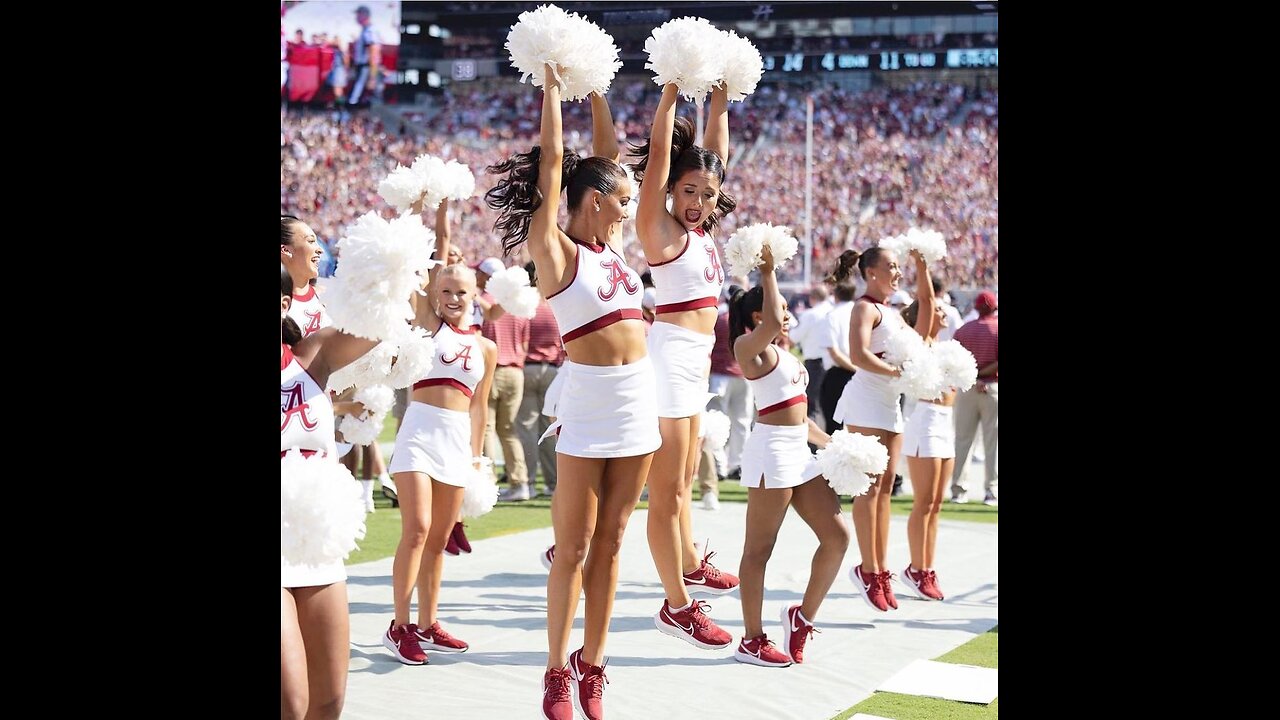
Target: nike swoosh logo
793 624
701 581
677 624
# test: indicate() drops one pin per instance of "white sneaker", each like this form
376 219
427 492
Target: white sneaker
710 501
991 500
368 505
389 489
516 493
960 498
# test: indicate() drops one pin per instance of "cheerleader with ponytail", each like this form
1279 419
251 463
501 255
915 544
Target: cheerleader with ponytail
606 418
869 403
321 515
688 277
779 471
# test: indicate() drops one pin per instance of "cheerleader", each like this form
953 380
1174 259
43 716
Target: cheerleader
607 418
315 626
437 449
930 447
779 470
869 404
688 278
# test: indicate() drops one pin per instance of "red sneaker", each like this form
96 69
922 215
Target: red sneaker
435 638
402 641
692 625
556 704
795 632
869 587
588 686
459 538
709 580
886 586
548 556
760 651
931 585
916 580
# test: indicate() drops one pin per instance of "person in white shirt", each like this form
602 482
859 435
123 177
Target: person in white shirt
811 333
836 365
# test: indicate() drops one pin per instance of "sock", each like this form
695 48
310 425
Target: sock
682 608
368 489
802 617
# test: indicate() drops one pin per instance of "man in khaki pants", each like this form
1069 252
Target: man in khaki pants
511 334
980 403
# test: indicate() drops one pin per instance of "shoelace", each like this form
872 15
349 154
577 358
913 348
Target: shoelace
438 633
698 614
885 578
709 570
596 680
558 684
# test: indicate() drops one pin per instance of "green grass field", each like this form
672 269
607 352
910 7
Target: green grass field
983 651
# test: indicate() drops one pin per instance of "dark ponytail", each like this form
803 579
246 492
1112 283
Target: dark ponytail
516 197
844 267
685 158
289 330
741 305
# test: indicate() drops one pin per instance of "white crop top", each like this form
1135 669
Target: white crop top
459 361
691 280
603 291
890 322
306 415
781 387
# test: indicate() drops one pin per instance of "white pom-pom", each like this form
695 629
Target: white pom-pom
481 492
430 180
382 264
369 369
510 289
461 182
897 245
402 188
715 429
376 399
359 431
583 57
782 244
921 376
959 368
743 251
414 356
321 511
929 243
686 51
851 462
743 66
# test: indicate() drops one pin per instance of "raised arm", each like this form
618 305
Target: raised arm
653 222
544 243
604 139
750 347
716 137
924 296
424 310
